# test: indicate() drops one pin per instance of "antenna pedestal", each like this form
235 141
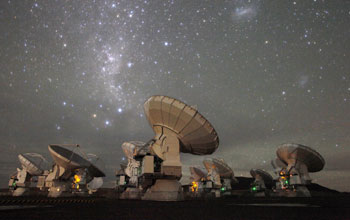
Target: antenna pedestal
214 176
299 168
167 147
259 181
167 187
164 190
58 187
21 183
303 173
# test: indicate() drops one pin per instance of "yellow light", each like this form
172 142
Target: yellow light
76 179
194 187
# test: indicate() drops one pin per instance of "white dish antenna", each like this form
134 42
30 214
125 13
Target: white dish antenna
197 174
220 165
33 163
300 160
178 127
71 161
294 154
168 116
259 174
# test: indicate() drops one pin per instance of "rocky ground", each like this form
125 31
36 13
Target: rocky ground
324 204
328 207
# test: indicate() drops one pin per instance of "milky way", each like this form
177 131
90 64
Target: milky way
263 73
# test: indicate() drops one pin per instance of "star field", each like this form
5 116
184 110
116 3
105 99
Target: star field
263 73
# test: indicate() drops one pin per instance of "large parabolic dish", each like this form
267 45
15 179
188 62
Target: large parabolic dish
71 161
221 167
197 174
300 161
261 174
292 154
195 133
178 128
28 162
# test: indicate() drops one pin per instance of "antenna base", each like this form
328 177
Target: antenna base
164 190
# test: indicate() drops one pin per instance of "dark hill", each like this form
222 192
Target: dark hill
314 188
243 183
318 190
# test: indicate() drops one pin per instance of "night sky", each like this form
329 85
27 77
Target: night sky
262 72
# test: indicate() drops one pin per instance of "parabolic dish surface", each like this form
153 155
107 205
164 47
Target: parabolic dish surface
297 152
264 175
195 133
70 160
31 167
198 172
221 167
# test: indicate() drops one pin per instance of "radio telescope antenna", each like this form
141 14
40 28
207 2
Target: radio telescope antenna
300 160
66 162
178 127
